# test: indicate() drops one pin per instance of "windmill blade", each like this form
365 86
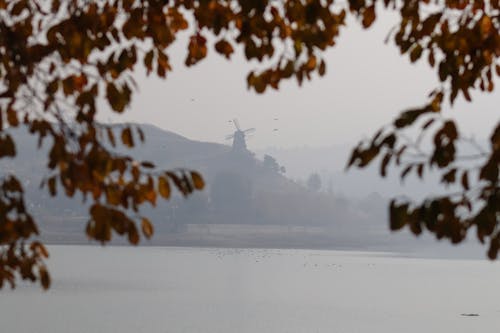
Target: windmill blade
229 137
249 131
237 124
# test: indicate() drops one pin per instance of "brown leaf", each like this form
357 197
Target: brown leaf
52 185
133 235
117 98
384 164
12 117
416 53
465 180
369 16
224 47
111 136
127 138
420 170
7 147
147 165
44 277
148 61
39 248
485 26
322 68
406 171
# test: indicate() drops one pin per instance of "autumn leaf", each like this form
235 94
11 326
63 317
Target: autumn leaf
369 16
198 182
163 187
44 277
127 138
59 61
223 47
147 227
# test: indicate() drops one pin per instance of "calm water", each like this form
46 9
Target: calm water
124 289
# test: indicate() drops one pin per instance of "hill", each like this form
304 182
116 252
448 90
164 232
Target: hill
248 202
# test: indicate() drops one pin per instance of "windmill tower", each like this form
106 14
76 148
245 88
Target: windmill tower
239 136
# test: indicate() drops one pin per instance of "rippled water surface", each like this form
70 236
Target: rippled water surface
125 289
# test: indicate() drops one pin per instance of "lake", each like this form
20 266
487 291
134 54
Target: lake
162 289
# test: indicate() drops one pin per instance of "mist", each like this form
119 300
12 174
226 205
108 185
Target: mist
277 234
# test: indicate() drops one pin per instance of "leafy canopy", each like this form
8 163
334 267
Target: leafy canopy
58 57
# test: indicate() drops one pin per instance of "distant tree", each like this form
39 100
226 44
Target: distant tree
314 182
271 164
57 57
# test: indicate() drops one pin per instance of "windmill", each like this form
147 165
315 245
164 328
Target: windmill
238 137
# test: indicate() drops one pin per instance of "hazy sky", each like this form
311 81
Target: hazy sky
366 85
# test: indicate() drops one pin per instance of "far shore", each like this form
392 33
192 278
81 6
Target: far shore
287 237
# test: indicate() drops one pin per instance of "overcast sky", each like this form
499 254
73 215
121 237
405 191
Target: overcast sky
366 85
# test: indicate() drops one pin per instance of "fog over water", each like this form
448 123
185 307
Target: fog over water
125 289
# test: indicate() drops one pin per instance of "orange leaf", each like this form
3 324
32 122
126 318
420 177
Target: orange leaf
147 228
198 182
163 187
